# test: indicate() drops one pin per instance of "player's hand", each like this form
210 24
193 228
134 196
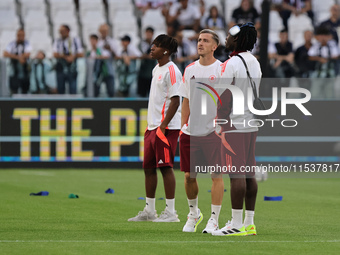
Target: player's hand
22 59
69 59
162 129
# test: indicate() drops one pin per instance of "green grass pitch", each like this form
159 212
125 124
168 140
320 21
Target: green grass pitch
305 222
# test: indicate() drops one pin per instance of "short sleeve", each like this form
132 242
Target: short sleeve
227 74
134 51
55 46
28 48
334 49
9 47
106 53
79 45
173 9
114 46
174 78
313 52
184 89
271 48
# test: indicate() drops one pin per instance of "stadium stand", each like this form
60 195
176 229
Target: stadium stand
321 9
41 20
297 32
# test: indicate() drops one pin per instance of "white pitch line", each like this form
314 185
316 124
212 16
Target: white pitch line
165 242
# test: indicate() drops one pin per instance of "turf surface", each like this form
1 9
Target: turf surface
305 222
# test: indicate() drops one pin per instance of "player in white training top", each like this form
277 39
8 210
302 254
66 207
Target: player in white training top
238 137
199 145
161 136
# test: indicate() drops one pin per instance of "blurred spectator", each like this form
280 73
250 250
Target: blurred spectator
147 64
106 42
186 14
333 23
325 53
283 56
303 64
102 70
172 29
40 72
215 21
166 8
297 7
244 14
127 66
18 52
144 5
186 52
66 50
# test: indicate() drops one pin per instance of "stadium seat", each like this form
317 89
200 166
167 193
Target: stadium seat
6 37
61 5
125 21
29 5
33 16
116 6
155 19
90 5
93 17
7 5
296 33
39 36
9 20
258 5
44 46
321 10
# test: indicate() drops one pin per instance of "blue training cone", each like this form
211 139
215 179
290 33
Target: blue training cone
41 193
110 191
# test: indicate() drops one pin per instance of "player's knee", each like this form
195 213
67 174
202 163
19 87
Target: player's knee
166 170
189 179
217 177
251 185
150 171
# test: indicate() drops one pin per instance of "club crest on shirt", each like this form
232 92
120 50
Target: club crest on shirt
212 78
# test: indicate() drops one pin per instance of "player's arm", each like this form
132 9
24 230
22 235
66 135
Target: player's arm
185 111
174 103
9 55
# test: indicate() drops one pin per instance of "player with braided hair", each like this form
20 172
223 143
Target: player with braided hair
161 135
238 137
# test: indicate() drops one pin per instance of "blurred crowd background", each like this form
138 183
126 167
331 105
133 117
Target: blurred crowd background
100 48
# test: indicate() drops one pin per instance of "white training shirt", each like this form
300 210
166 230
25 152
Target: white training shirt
192 88
165 84
234 72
